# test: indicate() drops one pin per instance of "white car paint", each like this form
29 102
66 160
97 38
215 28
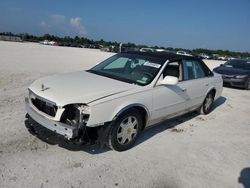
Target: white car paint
204 56
78 87
183 53
107 97
223 58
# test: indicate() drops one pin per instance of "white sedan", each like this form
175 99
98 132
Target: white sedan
115 100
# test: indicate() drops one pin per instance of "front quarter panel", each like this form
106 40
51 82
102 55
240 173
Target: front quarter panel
107 110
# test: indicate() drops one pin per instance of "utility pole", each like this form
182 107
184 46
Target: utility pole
120 48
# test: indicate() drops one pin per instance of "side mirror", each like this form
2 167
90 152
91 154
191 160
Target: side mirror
169 80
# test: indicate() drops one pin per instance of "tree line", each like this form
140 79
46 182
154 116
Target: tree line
87 41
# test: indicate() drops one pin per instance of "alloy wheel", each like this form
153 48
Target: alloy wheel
127 130
208 102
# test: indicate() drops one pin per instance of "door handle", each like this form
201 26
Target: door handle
207 84
183 89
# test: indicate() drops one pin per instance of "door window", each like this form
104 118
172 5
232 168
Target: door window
193 70
173 69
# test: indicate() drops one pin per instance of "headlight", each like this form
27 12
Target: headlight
75 113
84 109
241 76
31 95
84 113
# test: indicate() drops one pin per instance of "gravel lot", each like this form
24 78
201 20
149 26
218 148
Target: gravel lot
190 151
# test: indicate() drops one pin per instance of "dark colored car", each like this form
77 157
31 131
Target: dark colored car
235 72
76 45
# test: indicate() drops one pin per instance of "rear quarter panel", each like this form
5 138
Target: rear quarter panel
217 83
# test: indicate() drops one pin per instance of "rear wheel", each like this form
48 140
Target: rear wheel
125 130
248 84
207 104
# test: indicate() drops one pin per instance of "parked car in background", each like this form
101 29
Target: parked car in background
105 49
114 101
223 58
163 50
114 49
184 53
131 49
230 58
67 44
93 46
147 50
205 56
76 45
215 56
235 72
47 42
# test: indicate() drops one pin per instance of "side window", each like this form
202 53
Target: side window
193 70
174 69
205 68
199 72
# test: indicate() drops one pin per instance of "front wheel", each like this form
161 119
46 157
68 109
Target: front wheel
207 104
125 130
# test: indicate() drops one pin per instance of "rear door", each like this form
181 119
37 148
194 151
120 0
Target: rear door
195 83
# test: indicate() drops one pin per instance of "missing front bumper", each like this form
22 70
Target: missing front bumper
65 130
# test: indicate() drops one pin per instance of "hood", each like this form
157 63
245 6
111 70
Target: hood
77 87
230 71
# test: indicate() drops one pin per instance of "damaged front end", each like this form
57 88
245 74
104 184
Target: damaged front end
72 123
77 116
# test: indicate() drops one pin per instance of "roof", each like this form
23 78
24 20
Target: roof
164 56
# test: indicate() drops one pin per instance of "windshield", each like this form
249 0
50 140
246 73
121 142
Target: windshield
239 64
129 68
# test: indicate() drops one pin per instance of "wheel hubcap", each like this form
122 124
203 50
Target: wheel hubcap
208 102
127 130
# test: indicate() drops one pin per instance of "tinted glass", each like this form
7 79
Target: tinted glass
239 64
205 68
173 69
192 70
129 68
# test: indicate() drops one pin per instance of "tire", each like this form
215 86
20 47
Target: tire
207 104
247 84
125 130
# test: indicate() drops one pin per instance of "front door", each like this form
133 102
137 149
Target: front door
169 100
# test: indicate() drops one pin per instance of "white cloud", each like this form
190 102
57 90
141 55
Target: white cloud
57 23
76 23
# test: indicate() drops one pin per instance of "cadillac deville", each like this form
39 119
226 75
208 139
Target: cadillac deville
113 102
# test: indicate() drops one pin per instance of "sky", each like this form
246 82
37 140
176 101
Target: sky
211 24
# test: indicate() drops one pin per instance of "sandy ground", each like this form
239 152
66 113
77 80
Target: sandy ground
190 151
